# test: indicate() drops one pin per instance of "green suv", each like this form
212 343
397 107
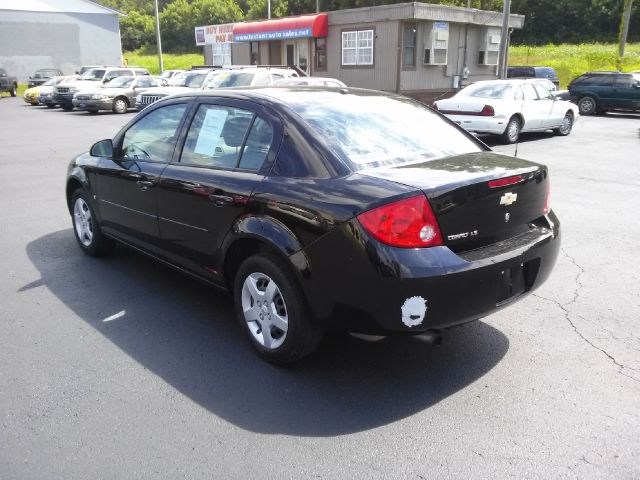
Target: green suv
597 92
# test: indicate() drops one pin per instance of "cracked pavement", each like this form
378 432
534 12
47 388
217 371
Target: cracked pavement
121 368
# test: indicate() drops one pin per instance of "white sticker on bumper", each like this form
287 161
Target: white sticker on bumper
414 310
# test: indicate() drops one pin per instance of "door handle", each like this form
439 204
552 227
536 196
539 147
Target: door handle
132 175
145 184
220 200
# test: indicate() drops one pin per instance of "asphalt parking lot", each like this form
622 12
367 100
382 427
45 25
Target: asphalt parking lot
547 388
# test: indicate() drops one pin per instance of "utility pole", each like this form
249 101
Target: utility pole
268 8
504 40
158 40
624 30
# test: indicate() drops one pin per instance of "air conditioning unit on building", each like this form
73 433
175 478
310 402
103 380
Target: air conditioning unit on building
489 47
436 44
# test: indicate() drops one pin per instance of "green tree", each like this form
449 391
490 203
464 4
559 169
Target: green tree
137 29
257 9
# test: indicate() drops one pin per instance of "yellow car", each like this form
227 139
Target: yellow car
31 95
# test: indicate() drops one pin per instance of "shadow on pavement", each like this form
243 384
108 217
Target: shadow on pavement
186 333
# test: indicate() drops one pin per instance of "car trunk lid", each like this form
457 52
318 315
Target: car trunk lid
478 198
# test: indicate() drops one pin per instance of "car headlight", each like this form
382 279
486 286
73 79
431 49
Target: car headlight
139 98
98 97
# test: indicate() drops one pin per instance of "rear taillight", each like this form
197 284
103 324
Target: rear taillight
547 203
406 223
487 111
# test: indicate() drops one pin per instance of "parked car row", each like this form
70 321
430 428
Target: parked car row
509 107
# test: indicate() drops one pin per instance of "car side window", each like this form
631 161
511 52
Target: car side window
257 146
110 76
624 81
518 95
145 82
529 92
215 136
227 137
261 80
152 138
543 93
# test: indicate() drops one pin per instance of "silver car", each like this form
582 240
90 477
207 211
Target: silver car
117 95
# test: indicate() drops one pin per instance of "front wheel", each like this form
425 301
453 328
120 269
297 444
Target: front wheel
120 105
14 91
272 310
587 105
512 132
86 227
567 124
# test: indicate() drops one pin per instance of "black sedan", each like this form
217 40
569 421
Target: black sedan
320 209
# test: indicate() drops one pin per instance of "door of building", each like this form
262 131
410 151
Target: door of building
296 52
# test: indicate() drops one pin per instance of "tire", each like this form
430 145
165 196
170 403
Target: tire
587 105
92 111
86 228
567 124
50 105
67 108
120 105
14 91
290 334
512 132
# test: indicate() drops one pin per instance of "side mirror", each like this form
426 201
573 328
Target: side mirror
4 74
103 148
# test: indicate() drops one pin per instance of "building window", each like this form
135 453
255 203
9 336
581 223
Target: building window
357 47
321 54
254 48
409 44
221 53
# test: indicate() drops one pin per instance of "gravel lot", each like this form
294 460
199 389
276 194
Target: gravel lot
548 388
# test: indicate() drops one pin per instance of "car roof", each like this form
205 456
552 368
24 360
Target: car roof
279 94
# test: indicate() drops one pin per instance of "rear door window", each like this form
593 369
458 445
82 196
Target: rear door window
227 137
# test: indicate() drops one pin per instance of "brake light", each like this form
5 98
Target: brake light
547 203
487 111
503 182
406 223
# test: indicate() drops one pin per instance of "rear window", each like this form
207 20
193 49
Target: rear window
352 124
546 72
230 79
594 80
487 90
520 72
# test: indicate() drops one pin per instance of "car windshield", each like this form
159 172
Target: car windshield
352 125
191 80
487 90
230 79
167 74
121 82
93 74
44 73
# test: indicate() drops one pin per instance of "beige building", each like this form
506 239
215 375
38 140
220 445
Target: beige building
416 49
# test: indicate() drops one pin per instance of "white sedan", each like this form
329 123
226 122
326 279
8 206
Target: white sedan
509 107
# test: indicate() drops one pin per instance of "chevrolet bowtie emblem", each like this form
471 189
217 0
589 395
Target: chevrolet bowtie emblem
508 198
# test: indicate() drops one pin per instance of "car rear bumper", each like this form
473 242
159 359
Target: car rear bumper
479 124
369 287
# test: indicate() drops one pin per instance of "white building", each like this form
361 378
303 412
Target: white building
63 34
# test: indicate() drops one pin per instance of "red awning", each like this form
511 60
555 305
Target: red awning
282 28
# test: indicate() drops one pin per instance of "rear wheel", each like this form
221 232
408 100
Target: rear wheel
567 125
86 227
14 91
272 311
587 105
120 105
512 132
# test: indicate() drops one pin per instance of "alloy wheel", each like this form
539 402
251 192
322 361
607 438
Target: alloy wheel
264 310
82 222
